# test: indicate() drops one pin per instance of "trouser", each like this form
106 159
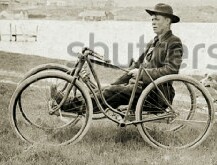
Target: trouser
115 95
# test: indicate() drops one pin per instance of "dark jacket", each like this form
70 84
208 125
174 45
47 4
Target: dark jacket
166 57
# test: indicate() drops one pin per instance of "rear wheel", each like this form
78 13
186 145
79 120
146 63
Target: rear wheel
188 125
33 101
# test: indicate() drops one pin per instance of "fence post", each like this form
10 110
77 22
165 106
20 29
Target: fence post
10 32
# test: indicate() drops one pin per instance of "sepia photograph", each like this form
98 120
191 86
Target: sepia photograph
108 82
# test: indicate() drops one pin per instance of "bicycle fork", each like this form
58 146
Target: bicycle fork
70 85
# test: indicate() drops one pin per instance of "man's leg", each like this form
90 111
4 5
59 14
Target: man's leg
117 95
70 104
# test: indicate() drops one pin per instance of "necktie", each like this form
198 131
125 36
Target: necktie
149 54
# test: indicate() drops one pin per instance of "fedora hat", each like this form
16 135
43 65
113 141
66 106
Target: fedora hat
165 10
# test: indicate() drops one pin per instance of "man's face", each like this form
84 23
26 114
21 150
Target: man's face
160 24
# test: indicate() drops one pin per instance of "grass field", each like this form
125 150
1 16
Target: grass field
105 143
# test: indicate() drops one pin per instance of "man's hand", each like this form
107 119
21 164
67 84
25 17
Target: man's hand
133 81
133 72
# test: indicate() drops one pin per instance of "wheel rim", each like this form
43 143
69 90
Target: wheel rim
34 124
188 129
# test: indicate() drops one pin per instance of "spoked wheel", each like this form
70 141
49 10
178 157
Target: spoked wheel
33 106
57 67
179 110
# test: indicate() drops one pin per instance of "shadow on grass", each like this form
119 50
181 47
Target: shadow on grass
106 132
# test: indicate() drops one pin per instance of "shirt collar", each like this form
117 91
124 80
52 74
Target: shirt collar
165 36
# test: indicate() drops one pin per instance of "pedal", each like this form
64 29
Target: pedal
121 121
170 120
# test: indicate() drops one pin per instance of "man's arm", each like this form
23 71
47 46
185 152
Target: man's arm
127 76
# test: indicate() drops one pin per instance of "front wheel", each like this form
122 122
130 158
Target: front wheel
57 67
32 102
180 110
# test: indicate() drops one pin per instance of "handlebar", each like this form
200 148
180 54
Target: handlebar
88 52
92 53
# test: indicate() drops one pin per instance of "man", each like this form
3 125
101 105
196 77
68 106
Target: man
163 56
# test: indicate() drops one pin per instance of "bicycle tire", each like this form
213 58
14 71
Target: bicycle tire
148 130
45 67
58 67
23 87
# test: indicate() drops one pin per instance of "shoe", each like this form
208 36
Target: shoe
74 105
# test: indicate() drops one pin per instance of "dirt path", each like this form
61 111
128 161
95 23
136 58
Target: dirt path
10 77
7 73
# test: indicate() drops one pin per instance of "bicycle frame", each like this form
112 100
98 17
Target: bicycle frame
75 74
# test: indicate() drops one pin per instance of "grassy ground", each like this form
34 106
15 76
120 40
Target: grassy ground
105 143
